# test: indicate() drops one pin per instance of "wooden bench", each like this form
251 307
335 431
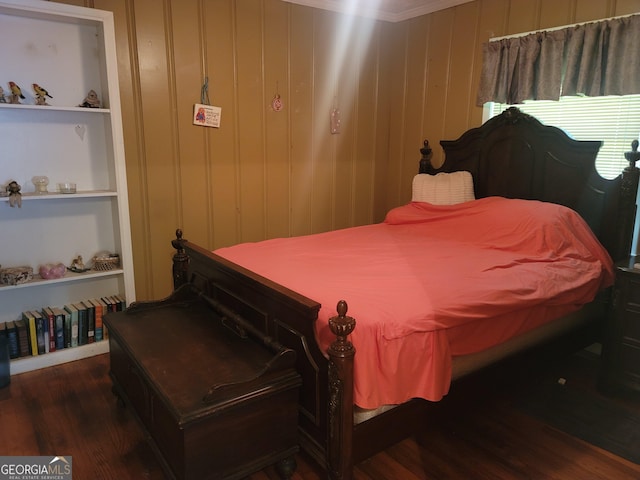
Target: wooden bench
216 401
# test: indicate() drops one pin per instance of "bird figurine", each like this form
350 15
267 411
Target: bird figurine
2 97
40 91
15 90
91 100
41 94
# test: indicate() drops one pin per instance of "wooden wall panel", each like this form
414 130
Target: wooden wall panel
408 155
302 112
133 124
277 132
193 169
366 144
328 56
461 94
221 154
438 74
248 119
159 136
266 174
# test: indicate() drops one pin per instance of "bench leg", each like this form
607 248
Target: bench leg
286 467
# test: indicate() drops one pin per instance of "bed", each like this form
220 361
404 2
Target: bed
512 159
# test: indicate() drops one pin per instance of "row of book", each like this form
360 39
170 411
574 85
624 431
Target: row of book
49 329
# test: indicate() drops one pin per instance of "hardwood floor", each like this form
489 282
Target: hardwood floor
476 434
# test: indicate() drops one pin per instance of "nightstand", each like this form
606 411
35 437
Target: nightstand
621 343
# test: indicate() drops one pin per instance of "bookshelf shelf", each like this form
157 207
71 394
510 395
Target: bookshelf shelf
26 364
69 277
52 109
69 50
31 196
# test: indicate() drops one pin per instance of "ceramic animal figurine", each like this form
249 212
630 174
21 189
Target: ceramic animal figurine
15 197
91 101
16 93
41 94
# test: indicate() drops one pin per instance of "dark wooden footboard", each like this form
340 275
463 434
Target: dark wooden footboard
326 398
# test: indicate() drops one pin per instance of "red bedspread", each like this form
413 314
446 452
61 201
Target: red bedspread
415 281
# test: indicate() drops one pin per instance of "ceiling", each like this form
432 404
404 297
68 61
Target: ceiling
388 10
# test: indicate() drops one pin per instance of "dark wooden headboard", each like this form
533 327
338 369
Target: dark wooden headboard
514 155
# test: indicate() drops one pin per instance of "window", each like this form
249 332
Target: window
615 120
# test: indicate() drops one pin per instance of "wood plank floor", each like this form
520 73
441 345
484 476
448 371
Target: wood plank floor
478 434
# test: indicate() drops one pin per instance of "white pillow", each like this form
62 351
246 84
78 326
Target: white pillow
443 188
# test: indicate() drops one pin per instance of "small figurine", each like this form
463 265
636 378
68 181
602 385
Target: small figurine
77 265
16 93
91 101
41 94
2 97
15 197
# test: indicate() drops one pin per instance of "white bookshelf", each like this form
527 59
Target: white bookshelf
69 51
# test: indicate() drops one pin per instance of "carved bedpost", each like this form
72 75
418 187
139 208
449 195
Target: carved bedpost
629 191
341 355
180 261
425 161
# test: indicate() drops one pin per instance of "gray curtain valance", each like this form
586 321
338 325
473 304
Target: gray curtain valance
593 59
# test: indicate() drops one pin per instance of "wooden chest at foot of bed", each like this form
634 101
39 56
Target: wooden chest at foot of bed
215 402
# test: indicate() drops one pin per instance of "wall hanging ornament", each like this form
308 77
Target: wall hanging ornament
204 114
276 103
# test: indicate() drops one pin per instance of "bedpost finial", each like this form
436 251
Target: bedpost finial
342 325
425 160
342 308
177 242
633 156
426 150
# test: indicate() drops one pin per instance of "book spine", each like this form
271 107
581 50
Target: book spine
91 322
59 322
66 322
40 334
98 309
50 330
74 325
82 325
12 335
31 328
23 338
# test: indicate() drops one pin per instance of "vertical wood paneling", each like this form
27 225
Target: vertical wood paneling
158 132
440 55
587 10
625 7
415 103
249 121
386 97
524 16
328 56
391 179
556 13
460 94
132 121
265 174
369 108
193 168
277 141
301 117
221 155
